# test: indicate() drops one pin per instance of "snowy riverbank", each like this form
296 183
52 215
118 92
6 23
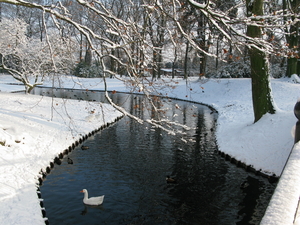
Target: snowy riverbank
26 119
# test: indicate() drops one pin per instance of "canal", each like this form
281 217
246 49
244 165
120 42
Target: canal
128 162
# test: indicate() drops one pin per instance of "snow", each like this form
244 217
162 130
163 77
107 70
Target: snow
285 199
34 133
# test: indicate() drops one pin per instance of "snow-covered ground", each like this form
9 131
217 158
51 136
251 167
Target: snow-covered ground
35 129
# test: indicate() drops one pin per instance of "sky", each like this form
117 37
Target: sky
35 129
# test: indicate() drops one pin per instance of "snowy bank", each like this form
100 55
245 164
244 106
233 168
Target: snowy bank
284 202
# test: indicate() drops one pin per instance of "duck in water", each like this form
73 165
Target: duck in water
170 180
70 161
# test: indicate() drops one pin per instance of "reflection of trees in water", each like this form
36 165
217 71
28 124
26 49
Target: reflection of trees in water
252 188
201 174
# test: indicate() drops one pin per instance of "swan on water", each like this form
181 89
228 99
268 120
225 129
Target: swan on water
92 200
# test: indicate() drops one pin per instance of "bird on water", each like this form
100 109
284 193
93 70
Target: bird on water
70 161
170 180
92 200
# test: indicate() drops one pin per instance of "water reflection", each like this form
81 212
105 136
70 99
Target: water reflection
128 162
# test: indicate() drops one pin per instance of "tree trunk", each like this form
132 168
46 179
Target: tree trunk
186 61
292 60
88 56
202 20
203 58
80 48
292 38
174 62
292 65
159 64
112 62
154 65
217 53
261 91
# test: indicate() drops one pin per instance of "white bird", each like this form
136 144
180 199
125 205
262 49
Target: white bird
93 200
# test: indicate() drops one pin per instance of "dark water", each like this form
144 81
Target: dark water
128 163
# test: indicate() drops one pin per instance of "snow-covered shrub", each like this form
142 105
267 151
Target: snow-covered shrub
294 79
28 59
84 70
277 71
236 69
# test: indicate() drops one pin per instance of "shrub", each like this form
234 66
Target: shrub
82 69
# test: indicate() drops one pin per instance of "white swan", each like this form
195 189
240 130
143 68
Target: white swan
92 200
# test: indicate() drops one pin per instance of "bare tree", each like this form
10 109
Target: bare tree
156 30
28 59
